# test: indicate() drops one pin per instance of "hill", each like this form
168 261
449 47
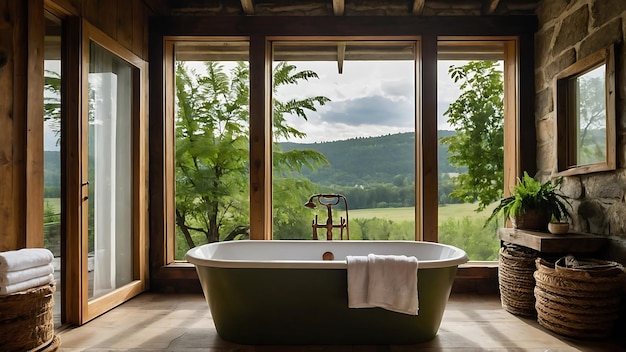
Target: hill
371 160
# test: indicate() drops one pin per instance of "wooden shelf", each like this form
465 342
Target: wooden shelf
544 242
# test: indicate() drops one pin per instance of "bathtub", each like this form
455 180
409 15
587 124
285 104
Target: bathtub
283 292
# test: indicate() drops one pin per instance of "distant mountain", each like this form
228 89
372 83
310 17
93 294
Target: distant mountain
371 160
358 161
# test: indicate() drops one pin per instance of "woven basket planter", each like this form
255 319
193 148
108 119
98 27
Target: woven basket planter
576 302
515 280
26 319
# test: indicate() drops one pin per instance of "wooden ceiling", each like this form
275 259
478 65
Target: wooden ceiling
346 7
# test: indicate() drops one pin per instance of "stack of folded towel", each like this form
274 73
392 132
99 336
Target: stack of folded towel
386 281
24 269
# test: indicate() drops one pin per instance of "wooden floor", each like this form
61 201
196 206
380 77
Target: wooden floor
162 322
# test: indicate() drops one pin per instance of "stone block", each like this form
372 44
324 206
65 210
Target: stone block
546 158
546 130
592 216
540 81
605 35
616 218
573 29
572 187
543 46
550 10
544 102
560 63
609 187
603 11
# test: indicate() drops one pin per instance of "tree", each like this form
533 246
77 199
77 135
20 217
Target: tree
478 145
212 147
52 102
591 120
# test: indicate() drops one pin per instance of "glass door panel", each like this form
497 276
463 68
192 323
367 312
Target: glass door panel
110 150
52 152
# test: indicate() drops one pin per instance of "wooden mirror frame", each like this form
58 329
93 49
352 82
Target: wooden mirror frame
567 120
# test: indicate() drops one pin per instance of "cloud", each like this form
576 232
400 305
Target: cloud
374 110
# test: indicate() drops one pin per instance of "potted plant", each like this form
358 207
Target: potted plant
533 204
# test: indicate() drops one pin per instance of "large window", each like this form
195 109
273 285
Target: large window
471 121
211 142
344 135
345 124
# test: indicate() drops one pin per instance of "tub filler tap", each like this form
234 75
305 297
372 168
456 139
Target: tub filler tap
329 200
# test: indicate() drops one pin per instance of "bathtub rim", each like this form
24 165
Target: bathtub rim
195 256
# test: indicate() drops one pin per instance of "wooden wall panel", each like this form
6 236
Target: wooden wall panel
8 238
34 163
125 24
21 100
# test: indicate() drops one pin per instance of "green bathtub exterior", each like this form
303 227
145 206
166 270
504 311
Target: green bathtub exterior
274 306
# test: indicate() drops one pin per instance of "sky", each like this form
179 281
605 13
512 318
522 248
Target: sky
368 99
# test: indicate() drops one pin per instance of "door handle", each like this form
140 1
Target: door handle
86 183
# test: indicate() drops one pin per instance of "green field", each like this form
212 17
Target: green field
55 203
407 213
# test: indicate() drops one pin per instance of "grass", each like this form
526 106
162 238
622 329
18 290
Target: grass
408 213
55 203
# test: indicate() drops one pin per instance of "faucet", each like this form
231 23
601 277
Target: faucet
329 200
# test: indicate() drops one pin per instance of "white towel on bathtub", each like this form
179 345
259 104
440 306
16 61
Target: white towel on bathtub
357 282
386 281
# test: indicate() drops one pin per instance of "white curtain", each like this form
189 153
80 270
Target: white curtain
104 123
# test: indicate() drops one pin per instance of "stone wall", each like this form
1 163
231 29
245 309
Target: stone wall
568 31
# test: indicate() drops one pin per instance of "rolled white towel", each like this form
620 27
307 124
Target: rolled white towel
13 277
24 258
25 285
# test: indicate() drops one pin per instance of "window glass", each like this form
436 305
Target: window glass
211 142
590 116
110 206
52 152
344 140
471 147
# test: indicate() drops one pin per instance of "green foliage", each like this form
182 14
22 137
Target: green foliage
52 101
212 147
479 242
468 233
289 215
478 116
382 229
592 124
211 151
529 193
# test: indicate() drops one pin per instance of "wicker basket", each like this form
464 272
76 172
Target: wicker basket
515 279
578 303
26 319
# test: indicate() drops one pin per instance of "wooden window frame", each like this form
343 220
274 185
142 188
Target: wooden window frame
566 124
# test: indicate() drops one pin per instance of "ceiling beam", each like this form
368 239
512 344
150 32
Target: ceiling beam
248 6
341 55
418 7
489 6
339 7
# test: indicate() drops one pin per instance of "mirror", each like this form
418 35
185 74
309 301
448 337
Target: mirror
585 93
